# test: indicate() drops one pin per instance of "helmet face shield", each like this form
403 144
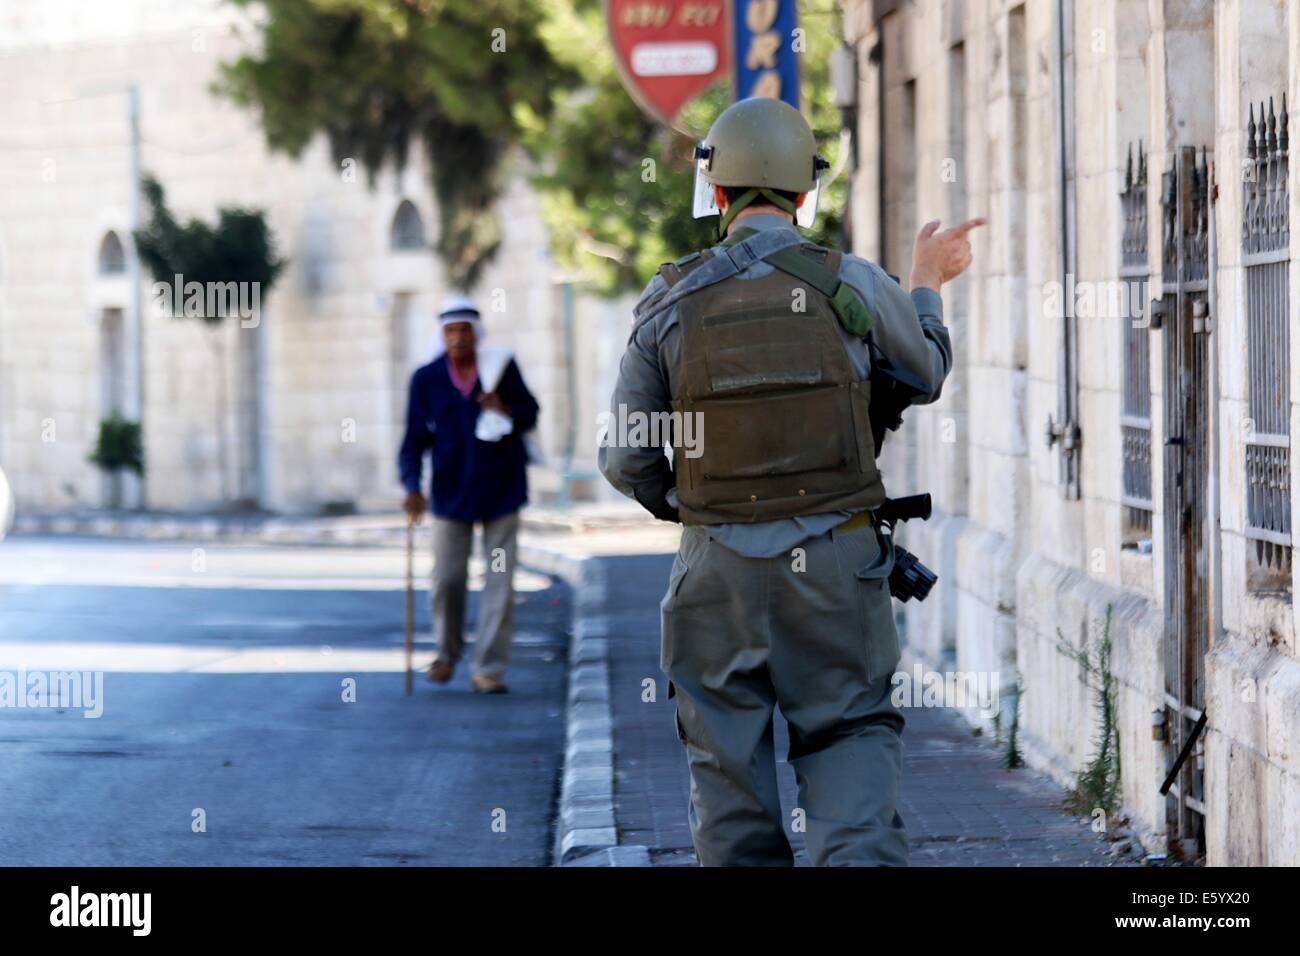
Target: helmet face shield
806 214
703 205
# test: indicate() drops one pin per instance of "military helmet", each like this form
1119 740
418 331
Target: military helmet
764 144
761 141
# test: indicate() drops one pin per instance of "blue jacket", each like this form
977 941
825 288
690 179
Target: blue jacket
472 480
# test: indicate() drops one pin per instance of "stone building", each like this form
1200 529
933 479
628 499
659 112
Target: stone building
1116 432
299 413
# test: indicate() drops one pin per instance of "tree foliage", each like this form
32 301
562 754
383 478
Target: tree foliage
373 75
239 248
1098 784
617 183
119 446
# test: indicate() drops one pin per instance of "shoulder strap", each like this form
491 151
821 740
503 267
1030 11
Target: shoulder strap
820 268
722 266
672 272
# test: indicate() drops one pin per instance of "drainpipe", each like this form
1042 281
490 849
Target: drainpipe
571 393
877 59
1065 428
844 90
133 267
567 474
1212 405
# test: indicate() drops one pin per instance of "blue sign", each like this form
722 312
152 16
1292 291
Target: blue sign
766 49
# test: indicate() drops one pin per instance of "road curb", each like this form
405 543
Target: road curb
210 528
250 529
586 832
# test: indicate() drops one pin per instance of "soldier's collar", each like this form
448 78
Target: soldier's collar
755 222
739 234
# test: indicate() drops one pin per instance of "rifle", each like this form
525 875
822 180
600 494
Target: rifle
909 577
890 395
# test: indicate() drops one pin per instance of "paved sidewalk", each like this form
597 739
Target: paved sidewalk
961 806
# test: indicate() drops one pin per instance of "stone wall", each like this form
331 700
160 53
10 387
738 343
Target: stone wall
1024 565
302 412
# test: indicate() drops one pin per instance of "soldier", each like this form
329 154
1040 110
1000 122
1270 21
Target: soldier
765 347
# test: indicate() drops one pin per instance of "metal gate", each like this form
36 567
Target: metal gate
1184 316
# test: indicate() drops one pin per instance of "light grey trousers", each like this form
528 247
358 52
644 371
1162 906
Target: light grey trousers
452 543
812 632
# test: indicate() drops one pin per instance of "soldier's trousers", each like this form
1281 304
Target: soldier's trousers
813 632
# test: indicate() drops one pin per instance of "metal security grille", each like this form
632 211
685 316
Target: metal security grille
1265 246
1135 411
1184 316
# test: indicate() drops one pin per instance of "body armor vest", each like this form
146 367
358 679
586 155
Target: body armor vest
778 416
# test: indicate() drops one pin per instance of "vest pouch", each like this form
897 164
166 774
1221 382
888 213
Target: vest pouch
860 399
779 416
743 353
748 443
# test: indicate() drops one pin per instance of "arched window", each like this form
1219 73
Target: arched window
407 231
112 257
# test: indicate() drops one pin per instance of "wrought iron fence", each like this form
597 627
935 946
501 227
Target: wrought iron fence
1135 410
1265 246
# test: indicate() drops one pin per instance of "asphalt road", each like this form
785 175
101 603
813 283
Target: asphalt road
226 736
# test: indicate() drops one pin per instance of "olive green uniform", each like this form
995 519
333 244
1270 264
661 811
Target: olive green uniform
791 610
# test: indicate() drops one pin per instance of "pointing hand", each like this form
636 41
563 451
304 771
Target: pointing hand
939 257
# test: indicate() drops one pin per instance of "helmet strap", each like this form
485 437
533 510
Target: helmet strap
745 199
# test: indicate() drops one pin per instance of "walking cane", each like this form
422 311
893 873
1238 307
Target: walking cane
410 602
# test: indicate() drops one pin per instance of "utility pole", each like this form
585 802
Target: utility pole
133 265
134 305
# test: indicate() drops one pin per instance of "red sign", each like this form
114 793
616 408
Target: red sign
668 50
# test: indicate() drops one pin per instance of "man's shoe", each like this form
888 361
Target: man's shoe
485 684
440 671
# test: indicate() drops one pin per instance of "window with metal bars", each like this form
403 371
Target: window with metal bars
1265 247
1135 399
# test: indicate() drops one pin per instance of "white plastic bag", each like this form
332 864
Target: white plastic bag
492 361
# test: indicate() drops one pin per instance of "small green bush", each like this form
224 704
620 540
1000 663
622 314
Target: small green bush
1098 784
120 447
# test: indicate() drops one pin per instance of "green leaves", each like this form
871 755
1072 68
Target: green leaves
239 248
119 447
375 75
478 82
616 184
1098 784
